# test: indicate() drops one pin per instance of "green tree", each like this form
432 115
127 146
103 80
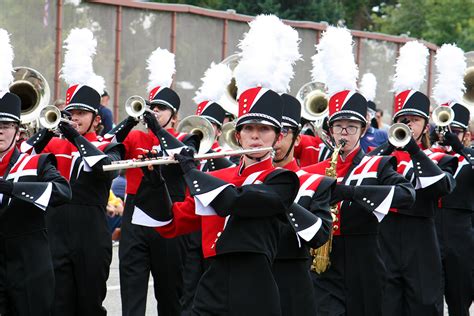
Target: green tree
436 21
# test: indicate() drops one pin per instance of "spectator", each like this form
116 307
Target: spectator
113 210
60 104
379 118
105 113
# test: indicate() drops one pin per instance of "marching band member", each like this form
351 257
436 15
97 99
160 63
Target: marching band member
80 240
240 210
141 250
28 185
407 235
453 213
215 82
367 188
290 267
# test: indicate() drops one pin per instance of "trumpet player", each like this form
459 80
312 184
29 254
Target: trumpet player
141 250
80 240
349 280
407 235
290 267
453 226
453 213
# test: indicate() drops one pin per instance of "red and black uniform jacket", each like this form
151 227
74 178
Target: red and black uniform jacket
313 196
461 198
36 185
377 188
430 174
310 151
239 209
81 163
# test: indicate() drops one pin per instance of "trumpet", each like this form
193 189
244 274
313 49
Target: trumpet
50 117
442 116
133 163
136 106
399 134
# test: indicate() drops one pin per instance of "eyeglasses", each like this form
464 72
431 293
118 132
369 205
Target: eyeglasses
6 125
285 131
350 130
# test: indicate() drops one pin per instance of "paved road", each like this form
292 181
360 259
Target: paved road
112 301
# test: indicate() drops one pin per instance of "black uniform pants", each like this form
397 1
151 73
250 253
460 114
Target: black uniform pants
194 265
354 283
81 248
26 275
141 251
455 235
411 253
237 284
295 286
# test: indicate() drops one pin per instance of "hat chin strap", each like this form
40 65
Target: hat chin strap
295 135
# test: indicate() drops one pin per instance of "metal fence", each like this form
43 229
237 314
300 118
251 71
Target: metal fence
127 32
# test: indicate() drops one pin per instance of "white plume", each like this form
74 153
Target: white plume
77 68
450 67
337 59
317 72
162 68
268 52
368 86
6 61
214 83
411 67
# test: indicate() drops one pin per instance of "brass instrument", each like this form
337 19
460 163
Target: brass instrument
314 102
321 260
197 125
229 100
227 137
50 117
33 90
399 135
468 98
442 116
133 163
136 106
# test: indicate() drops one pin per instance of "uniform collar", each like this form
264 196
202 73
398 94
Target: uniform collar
265 164
292 166
91 136
5 160
356 156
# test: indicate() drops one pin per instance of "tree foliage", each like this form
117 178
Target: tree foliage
436 21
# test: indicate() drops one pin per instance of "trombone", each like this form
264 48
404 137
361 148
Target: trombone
202 128
314 103
133 163
227 137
